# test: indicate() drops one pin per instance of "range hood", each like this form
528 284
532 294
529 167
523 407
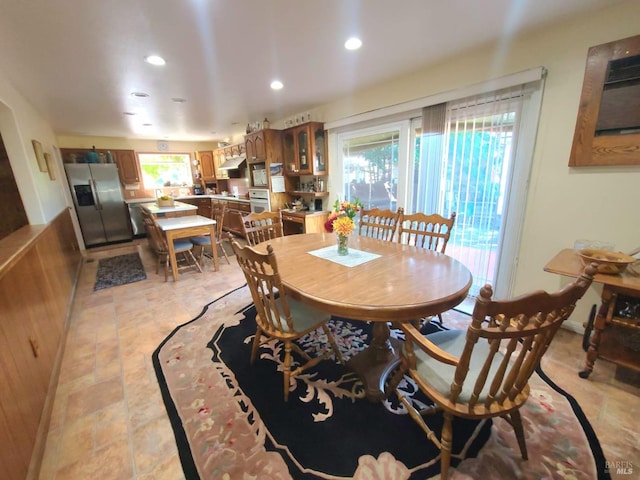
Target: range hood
233 163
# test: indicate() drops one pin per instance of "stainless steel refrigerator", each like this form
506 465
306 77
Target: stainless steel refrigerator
96 193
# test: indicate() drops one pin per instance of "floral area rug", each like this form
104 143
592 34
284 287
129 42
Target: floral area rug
230 419
119 270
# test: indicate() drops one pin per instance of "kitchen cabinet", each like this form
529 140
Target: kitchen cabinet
255 146
232 216
203 204
303 222
128 168
219 157
305 149
207 167
264 146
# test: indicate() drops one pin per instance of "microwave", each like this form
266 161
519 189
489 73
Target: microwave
259 177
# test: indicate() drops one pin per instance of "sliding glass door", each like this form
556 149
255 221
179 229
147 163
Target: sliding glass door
467 157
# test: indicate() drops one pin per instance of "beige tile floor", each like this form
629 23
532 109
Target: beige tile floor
108 418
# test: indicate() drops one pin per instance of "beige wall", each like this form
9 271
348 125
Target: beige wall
563 203
43 198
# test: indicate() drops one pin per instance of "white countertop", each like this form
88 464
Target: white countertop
222 197
174 223
129 201
154 209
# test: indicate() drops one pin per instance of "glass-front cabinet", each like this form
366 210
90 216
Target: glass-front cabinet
304 148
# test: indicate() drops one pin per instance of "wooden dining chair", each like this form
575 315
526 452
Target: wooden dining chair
483 372
258 227
279 316
380 224
158 244
427 231
204 241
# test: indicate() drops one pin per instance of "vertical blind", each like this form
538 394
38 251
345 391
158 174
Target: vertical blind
465 166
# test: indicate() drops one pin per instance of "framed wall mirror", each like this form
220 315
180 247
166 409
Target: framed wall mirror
608 124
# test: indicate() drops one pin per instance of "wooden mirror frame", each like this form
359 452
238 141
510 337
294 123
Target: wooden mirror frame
589 149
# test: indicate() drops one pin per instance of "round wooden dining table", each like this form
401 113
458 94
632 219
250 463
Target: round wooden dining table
402 283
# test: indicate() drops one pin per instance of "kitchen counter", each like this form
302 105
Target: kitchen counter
304 213
129 201
184 197
228 197
303 221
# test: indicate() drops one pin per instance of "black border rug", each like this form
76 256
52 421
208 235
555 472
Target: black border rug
119 270
264 406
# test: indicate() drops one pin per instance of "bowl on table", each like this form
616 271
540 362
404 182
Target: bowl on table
608 262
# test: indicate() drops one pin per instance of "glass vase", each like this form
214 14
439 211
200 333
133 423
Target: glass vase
343 244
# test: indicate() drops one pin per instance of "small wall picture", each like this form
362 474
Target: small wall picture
48 159
37 147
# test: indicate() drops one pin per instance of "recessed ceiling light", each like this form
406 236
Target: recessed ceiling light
179 100
276 85
155 60
353 43
146 124
139 94
129 113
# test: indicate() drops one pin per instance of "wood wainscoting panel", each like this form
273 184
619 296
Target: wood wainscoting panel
36 291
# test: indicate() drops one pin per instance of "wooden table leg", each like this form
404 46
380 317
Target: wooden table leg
172 255
598 326
377 361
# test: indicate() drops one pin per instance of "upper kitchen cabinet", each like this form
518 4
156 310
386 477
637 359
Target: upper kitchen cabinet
304 149
220 155
218 159
255 147
263 146
127 166
207 166
127 162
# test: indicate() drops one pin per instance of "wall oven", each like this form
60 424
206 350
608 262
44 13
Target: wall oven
259 200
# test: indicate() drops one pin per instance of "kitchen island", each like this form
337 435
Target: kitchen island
178 209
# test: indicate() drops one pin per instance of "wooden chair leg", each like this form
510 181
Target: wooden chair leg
256 345
192 258
516 423
333 343
445 448
440 319
287 369
221 247
166 267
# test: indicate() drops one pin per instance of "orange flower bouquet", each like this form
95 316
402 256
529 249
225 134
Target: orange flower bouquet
341 222
342 209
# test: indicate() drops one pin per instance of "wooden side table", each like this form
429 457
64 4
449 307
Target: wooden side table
613 330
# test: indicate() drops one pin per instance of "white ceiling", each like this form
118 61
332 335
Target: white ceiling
78 61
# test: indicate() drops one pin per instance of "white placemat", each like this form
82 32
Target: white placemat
355 257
